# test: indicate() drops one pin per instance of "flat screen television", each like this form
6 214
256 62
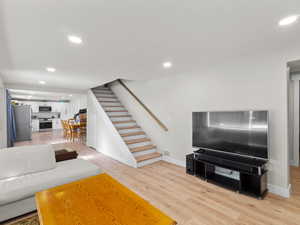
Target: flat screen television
235 132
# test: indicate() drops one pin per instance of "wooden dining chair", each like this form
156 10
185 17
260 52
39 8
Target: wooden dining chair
83 120
66 129
63 127
74 128
82 131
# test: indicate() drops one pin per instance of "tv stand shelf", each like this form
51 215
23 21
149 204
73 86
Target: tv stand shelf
247 177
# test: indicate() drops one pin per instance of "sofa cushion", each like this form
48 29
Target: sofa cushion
18 161
29 147
18 188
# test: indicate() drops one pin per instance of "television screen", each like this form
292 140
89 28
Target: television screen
240 132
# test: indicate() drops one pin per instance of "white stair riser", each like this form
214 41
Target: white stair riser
105 96
134 137
120 118
105 99
113 108
139 144
103 104
102 88
117 113
144 152
149 161
113 112
125 124
104 92
129 130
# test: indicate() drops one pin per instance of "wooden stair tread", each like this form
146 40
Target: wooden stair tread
133 134
113 106
100 89
116 116
109 93
103 91
147 156
143 148
135 141
123 121
127 128
109 101
107 96
116 111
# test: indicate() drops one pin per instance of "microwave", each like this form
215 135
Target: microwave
45 109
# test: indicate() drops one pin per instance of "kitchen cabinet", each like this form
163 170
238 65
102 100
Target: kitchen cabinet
35 125
56 124
34 107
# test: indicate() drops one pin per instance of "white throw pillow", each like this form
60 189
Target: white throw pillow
18 161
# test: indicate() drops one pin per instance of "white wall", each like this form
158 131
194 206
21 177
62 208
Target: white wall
77 102
258 83
3 125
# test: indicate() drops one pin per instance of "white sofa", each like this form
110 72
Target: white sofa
27 170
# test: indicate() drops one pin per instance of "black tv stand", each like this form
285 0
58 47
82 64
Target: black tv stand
241 174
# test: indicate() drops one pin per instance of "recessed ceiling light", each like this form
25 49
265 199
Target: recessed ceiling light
288 20
167 65
51 69
74 39
70 95
42 82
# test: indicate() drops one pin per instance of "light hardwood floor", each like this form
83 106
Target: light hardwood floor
187 199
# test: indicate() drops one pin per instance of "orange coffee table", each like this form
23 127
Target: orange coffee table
97 200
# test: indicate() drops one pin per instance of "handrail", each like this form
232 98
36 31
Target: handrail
143 105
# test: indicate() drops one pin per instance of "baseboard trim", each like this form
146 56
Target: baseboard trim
173 161
283 192
293 163
277 190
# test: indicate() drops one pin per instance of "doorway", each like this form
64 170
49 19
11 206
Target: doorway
294 112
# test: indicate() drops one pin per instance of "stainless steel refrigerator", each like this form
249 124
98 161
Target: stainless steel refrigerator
23 122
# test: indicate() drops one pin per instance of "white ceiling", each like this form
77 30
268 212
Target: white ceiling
40 95
131 38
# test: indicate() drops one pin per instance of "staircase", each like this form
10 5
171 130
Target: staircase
134 137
